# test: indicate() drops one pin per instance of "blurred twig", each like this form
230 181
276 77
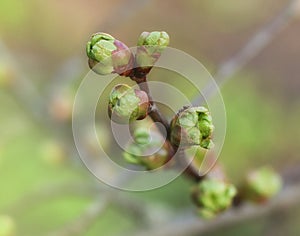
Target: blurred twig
190 224
82 223
254 46
141 213
23 88
104 198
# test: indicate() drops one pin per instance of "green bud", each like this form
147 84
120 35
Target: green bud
262 184
136 153
141 136
192 126
213 196
150 47
155 38
127 104
108 55
7 226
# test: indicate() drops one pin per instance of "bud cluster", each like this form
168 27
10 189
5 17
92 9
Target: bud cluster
190 131
147 149
192 126
127 104
213 196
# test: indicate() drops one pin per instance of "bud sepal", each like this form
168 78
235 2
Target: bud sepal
213 196
148 149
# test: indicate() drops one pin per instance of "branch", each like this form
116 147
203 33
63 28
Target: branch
254 46
157 116
190 224
154 112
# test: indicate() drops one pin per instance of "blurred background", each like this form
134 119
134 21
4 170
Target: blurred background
46 189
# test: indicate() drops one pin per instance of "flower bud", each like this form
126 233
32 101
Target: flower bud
127 104
213 196
262 184
7 226
147 150
108 55
150 47
192 126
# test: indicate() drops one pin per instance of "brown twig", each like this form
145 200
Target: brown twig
157 116
154 112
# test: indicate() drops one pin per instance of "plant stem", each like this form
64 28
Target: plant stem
157 116
154 112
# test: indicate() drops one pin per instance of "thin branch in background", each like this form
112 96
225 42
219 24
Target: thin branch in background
254 46
104 198
82 224
23 87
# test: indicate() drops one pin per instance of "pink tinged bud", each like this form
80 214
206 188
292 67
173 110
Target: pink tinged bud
150 47
108 55
127 104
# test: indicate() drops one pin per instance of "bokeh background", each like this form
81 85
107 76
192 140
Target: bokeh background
45 188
